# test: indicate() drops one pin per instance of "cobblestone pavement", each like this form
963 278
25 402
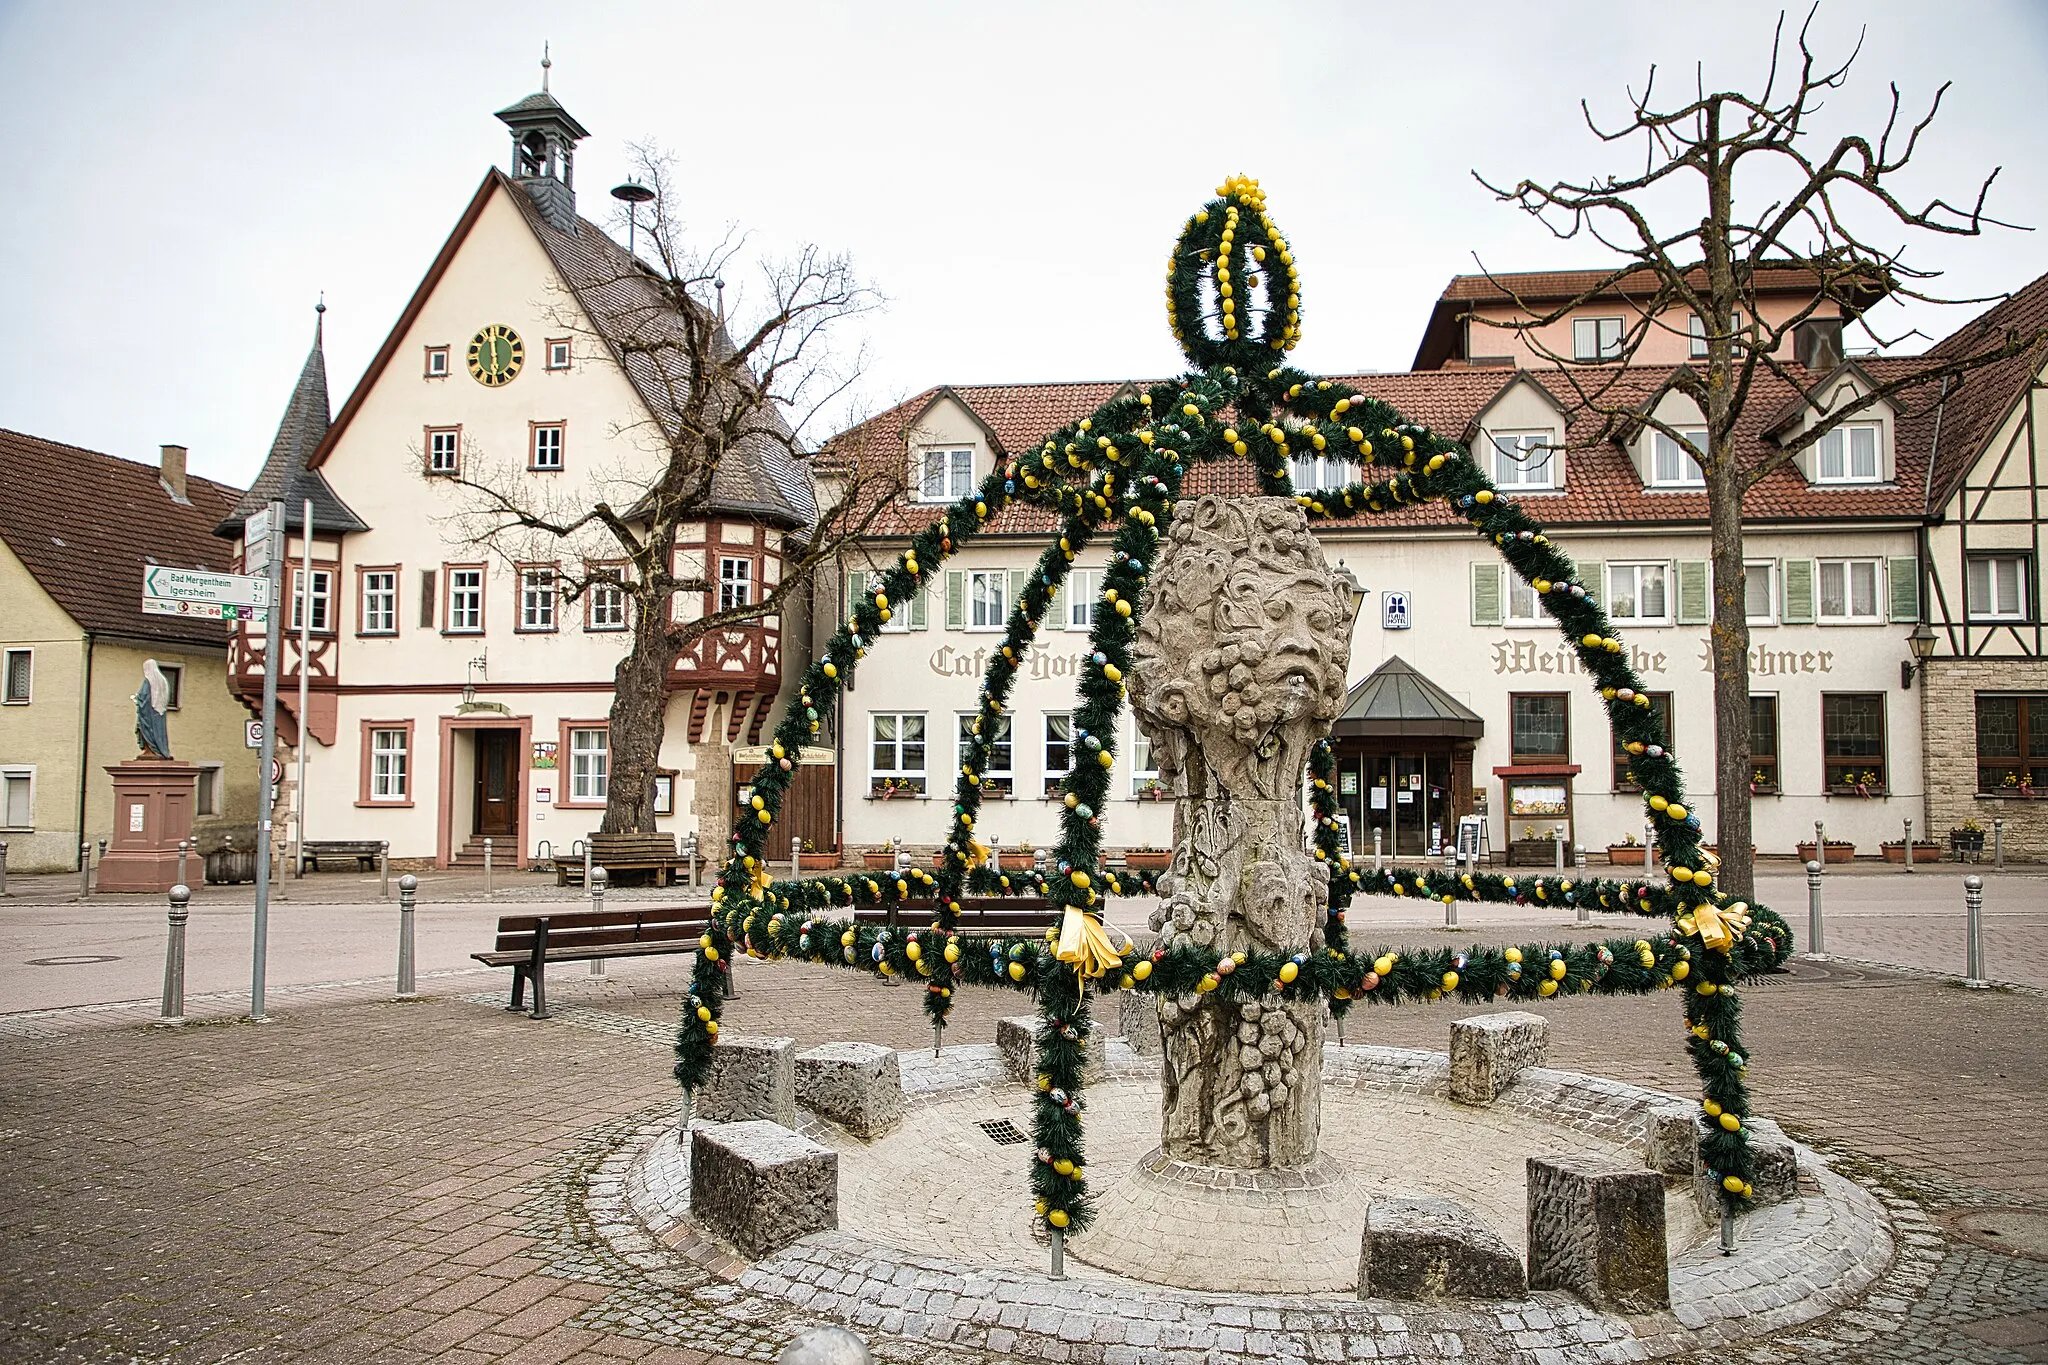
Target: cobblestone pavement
402 1182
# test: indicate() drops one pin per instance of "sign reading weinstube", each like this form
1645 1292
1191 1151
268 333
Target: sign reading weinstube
195 592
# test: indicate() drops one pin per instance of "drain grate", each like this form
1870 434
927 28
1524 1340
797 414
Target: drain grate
1002 1131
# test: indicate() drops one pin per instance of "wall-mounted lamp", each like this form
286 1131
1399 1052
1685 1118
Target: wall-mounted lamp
480 664
1348 581
1922 642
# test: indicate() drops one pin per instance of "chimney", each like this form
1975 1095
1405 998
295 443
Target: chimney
174 473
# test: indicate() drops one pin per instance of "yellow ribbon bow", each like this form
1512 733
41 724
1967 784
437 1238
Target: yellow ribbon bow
1719 926
977 852
1085 943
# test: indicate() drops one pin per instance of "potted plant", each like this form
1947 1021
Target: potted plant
1628 853
808 859
1924 851
878 859
1022 858
1966 838
1762 783
1839 851
1148 859
1151 789
1852 782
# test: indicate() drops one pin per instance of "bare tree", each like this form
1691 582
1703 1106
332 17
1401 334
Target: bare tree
1749 188
730 387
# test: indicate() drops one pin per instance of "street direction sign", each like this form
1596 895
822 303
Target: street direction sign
196 592
256 542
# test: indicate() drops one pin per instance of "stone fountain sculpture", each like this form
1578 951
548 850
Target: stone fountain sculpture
1237 672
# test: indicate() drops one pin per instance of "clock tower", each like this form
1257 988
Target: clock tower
544 139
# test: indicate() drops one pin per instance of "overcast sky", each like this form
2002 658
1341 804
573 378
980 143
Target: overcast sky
184 180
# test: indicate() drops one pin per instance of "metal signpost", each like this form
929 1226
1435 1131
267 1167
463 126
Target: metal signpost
268 527
305 604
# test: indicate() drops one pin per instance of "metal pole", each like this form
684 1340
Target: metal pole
938 1036
1557 850
1820 845
1998 843
85 869
1059 1253
3 867
796 851
1579 859
599 880
1909 843
691 849
384 869
1727 1231
1816 941
174 956
1579 864
1973 942
408 888
487 866
305 677
1649 846
184 847
586 864
266 831
1376 855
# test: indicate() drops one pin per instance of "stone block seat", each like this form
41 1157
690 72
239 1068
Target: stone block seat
1433 1249
1017 1041
1489 1052
858 1086
761 1186
1596 1228
752 1077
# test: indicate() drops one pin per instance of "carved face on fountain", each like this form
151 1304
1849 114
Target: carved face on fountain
1243 642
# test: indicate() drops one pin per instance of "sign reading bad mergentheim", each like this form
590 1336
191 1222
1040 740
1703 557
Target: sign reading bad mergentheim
197 592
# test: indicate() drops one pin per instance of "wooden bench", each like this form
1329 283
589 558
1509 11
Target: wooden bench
626 853
527 943
364 851
978 914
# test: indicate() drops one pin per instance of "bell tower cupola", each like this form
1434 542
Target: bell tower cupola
544 139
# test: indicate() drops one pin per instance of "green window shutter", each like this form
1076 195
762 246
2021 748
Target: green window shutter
856 589
1486 593
956 600
1056 613
1693 607
1905 576
917 595
1593 578
1798 576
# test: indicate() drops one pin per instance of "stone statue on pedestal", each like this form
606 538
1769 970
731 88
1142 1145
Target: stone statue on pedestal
152 708
1237 672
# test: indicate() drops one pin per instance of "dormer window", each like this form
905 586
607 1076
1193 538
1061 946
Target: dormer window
1596 339
1849 454
1672 465
1524 460
944 473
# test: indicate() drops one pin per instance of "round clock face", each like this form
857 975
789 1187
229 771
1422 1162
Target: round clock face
495 355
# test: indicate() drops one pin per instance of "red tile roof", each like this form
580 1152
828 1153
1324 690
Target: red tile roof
1977 405
86 525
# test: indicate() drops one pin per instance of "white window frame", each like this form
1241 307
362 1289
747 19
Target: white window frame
1840 446
1845 568
735 582
1766 572
10 775
174 692
377 612
323 600
1320 473
549 440
2022 572
898 743
1079 596
993 779
979 608
590 763
1637 571
943 474
1142 769
27 657
558 353
1050 739
390 764
537 599
437 362
1517 469
1520 603
604 606
209 790
1695 337
1591 340
461 621
1660 444
444 450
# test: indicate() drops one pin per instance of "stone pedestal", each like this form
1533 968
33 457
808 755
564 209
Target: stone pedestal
760 1186
1017 1042
1596 1228
1671 1140
858 1086
1137 1018
1770 1151
751 1078
153 803
1488 1052
1432 1249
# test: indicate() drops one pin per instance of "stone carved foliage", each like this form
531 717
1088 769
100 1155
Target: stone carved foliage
1238 669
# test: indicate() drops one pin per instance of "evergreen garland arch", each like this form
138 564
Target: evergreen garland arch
1234 303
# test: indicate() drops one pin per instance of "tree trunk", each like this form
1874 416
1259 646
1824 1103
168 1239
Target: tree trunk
1730 636
639 719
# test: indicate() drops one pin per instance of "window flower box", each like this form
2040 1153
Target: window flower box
1839 851
1924 851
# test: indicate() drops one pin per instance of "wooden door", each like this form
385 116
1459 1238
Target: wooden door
497 782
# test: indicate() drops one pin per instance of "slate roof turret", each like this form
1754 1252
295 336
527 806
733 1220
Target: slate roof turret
287 474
